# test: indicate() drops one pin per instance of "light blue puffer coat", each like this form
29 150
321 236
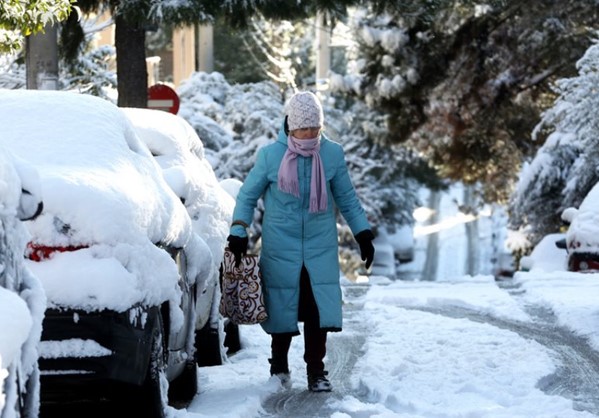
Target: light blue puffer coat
292 236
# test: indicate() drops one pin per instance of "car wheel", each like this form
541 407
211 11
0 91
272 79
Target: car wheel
207 343
151 398
184 387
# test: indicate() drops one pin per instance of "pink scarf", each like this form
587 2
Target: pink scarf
288 181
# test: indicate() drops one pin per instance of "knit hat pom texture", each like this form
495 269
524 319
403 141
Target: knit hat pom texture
304 111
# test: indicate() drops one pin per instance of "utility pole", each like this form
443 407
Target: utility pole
41 59
206 48
323 49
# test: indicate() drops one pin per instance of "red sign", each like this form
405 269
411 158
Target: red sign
162 97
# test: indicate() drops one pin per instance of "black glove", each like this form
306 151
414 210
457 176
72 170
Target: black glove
238 247
364 239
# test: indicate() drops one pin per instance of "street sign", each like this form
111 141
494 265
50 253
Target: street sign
162 97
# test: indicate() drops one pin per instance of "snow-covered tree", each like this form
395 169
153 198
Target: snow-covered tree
565 168
19 18
12 74
233 120
279 51
464 82
90 73
381 174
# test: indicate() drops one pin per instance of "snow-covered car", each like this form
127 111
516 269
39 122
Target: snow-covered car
547 256
504 265
391 248
180 153
402 241
22 300
113 248
383 263
582 237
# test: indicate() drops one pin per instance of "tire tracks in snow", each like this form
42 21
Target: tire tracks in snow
577 373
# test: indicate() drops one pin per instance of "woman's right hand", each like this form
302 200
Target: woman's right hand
238 246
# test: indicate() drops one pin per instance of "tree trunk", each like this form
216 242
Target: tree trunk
429 272
41 59
132 74
323 48
472 238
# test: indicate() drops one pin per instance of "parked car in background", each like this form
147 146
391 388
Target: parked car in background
504 264
582 237
392 247
383 263
548 255
180 153
114 250
402 240
22 300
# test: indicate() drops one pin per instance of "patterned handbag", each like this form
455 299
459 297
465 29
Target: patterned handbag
241 290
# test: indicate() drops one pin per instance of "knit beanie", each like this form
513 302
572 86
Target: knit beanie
304 111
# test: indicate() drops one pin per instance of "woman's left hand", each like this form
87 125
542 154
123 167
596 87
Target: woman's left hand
364 239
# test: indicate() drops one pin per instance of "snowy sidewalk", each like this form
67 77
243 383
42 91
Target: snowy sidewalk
417 363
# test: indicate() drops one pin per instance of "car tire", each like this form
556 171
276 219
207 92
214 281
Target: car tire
207 343
150 397
185 386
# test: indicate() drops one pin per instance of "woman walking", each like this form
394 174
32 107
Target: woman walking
302 177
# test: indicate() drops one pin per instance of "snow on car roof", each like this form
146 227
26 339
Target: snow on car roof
102 189
93 167
180 153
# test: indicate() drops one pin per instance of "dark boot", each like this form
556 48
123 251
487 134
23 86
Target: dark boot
315 338
281 371
279 366
318 382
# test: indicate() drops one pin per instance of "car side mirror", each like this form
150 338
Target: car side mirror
30 206
561 243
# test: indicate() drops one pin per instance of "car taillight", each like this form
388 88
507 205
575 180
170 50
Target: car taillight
583 263
38 252
588 265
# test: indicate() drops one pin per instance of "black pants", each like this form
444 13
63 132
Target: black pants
315 338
